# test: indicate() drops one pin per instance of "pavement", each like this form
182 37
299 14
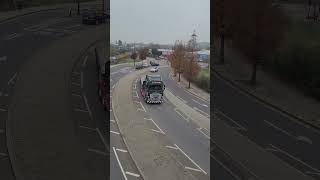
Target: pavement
294 142
41 97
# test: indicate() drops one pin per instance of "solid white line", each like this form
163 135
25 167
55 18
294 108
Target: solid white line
192 169
103 140
200 129
132 174
171 147
3 110
199 110
121 150
12 78
73 94
81 79
112 120
115 153
157 126
80 110
115 132
279 129
85 61
199 103
243 128
190 159
97 151
289 155
84 127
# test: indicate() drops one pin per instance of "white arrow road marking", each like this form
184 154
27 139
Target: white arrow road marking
200 103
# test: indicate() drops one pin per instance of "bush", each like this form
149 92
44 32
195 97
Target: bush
202 80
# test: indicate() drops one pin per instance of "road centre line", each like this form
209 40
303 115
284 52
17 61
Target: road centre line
243 128
97 151
12 78
115 132
186 167
119 163
294 158
132 174
85 61
84 127
190 159
121 150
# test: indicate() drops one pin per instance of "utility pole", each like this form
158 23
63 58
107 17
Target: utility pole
134 51
193 45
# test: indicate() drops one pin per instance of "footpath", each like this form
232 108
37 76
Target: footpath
8 15
42 141
269 89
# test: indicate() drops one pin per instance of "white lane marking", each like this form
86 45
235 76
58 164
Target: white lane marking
135 86
176 110
171 147
3 110
190 159
84 64
121 150
184 101
147 119
112 120
292 157
81 80
115 153
1 131
156 131
144 109
3 58
80 110
157 126
113 86
12 36
299 138
200 129
103 140
132 174
12 78
111 80
115 132
271 149
199 110
89 128
69 27
139 109
76 84
73 94
243 128
97 151
227 169
313 173
136 94
3 154
200 103
186 167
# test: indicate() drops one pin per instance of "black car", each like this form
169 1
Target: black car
139 66
93 17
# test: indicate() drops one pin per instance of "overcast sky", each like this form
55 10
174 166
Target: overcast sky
159 21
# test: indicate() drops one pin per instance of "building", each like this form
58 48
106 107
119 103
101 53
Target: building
203 55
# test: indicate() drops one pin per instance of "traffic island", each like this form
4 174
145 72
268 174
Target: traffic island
146 148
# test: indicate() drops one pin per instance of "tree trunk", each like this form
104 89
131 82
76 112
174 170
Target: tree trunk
179 77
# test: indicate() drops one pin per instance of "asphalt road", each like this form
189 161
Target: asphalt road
295 143
20 38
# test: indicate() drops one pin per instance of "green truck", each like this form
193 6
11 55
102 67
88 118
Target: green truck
151 88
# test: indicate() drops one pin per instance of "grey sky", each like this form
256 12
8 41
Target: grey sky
159 21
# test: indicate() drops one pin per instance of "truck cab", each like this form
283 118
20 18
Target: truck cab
152 88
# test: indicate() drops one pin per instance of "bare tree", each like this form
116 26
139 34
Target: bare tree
178 55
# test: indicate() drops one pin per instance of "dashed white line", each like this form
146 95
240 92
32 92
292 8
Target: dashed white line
97 151
84 127
80 110
243 128
85 61
132 174
190 159
289 155
192 169
135 86
147 119
115 132
12 78
115 153
121 150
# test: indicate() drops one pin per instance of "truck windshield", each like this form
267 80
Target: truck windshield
155 87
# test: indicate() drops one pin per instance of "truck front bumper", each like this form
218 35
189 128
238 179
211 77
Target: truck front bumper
154 102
